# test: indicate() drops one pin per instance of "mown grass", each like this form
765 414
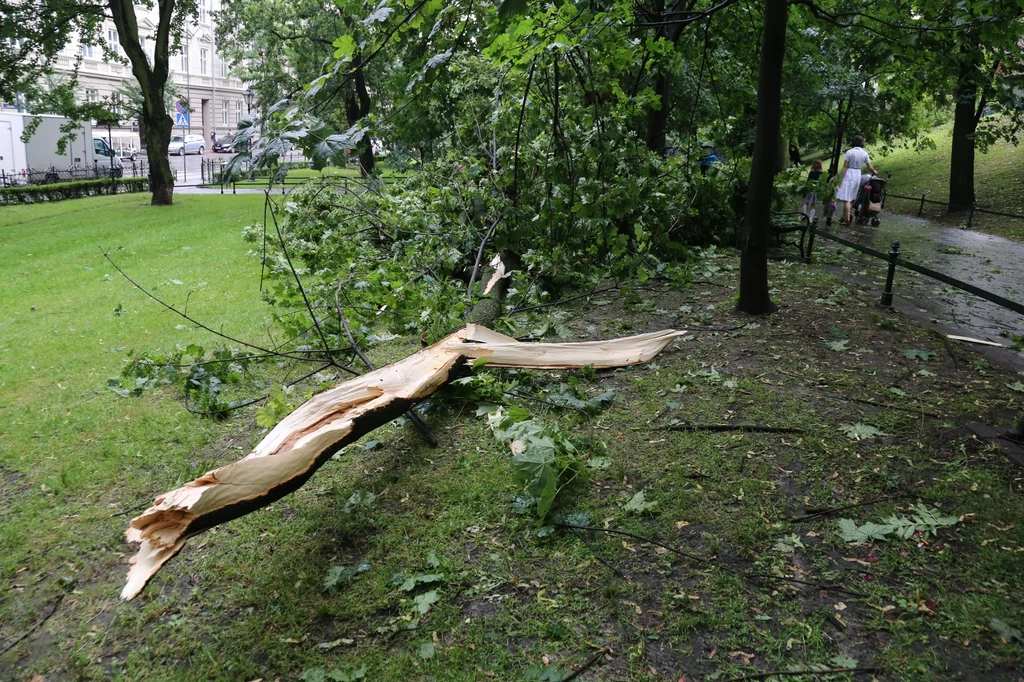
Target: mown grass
248 599
999 182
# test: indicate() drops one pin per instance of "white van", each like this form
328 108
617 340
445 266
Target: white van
21 159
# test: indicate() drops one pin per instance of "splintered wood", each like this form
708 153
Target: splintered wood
309 436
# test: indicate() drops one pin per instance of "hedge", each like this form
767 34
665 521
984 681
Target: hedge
29 194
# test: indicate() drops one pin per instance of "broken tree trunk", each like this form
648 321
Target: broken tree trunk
309 436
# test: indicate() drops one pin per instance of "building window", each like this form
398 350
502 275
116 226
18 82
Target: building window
223 68
92 95
238 111
112 42
202 12
224 113
204 57
184 58
87 51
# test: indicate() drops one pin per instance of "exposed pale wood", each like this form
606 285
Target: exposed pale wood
498 271
306 439
969 339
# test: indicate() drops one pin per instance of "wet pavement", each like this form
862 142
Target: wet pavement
991 263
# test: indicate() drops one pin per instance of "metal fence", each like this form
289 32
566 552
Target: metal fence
893 258
53 175
923 199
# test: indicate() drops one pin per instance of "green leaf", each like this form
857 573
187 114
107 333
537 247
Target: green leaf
861 431
841 661
346 47
851 532
897 391
1017 386
425 600
414 581
917 354
838 345
599 463
427 651
638 504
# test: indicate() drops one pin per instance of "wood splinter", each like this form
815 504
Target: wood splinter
307 438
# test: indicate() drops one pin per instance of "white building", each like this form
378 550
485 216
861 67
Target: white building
198 73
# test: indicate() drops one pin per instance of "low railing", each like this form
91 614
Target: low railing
893 259
923 199
53 175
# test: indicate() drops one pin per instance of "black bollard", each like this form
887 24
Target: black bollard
894 254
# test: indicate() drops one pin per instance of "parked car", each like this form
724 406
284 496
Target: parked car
224 146
128 153
189 144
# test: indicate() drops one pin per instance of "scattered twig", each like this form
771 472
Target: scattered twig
780 673
583 668
563 301
816 513
755 428
39 622
707 562
598 556
194 321
298 281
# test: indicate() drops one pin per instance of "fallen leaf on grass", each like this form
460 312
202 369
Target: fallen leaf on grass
861 431
1017 386
1005 632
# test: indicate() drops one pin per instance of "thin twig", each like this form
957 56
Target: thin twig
298 281
755 428
832 510
583 668
39 622
598 556
706 562
563 301
780 673
427 434
192 319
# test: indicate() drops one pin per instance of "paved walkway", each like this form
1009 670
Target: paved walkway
987 262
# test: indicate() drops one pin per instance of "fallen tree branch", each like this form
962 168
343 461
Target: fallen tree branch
307 438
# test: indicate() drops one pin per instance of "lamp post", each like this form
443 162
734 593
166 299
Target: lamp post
249 96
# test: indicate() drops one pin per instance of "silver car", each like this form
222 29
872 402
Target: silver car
188 144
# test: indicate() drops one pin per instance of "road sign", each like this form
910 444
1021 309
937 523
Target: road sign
181 117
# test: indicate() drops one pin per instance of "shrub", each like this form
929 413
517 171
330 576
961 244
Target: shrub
30 194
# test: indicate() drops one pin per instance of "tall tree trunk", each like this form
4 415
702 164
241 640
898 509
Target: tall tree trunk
837 145
152 79
965 122
357 107
754 297
657 119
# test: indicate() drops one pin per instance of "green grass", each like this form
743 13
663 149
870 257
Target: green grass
247 599
999 182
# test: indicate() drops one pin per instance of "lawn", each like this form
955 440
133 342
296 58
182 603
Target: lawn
404 562
999 182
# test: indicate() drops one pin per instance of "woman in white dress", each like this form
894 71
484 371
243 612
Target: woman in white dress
849 178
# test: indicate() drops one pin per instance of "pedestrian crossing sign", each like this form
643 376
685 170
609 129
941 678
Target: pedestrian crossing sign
181 115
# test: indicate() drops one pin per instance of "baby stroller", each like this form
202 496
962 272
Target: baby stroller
869 200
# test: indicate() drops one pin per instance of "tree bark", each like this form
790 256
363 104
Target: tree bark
154 122
357 107
961 158
307 438
754 297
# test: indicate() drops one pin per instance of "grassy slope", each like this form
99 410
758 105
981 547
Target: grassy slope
246 600
999 182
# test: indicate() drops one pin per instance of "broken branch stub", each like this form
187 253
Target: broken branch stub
307 438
